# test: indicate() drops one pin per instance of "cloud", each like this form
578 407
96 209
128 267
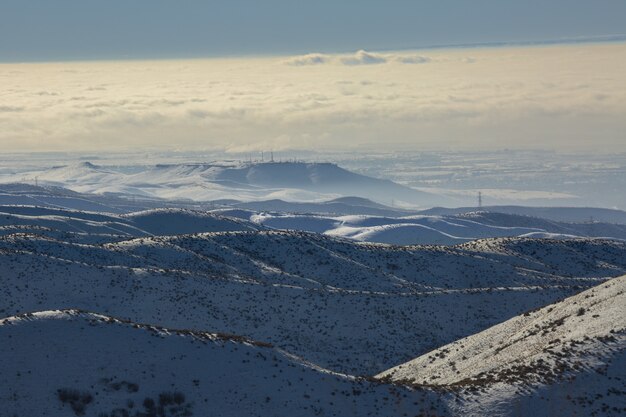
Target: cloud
413 59
11 109
308 59
360 57
363 58
278 143
507 96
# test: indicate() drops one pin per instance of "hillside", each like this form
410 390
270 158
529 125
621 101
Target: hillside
337 206
54 196
202 182
352 217
572 354
93 227
73 363
559 214
325 178
312 314
178 221
432 229
351 307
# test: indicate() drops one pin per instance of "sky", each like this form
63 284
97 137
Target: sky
45 30
252 75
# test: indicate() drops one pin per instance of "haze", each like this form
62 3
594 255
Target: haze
563 97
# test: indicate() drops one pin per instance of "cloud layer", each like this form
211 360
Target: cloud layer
361 57
564 97
308 59
364 58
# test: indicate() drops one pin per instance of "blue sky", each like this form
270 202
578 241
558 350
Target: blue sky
40 30
113 74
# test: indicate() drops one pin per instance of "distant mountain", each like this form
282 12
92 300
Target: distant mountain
391 226
179 221
324 178
433 229
54 196
338 206
561 214
358 202
234 180
569 356
89 227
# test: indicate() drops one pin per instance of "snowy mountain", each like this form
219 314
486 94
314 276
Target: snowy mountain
569 356
180 221
336 206
559 214
91 227
62 198
433 229
352 217
350 307
73 363
282 321
396 229
322 177
292 181
59 197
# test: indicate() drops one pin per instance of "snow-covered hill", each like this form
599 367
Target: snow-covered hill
337 206
350 307
73 363
91 227
432 229
345 308
407 230
178 221
52 196
351 217
559 214
569 356
292 181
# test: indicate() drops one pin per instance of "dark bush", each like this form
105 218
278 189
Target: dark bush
78 400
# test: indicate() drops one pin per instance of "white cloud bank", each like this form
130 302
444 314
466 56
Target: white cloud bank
361 57
308 59
364 58
562 97
413 59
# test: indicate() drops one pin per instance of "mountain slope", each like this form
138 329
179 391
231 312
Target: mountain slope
53 196
72 363
323 177
559 214
337 206
349 307
441 230
576 346
229 179
91 227
178 221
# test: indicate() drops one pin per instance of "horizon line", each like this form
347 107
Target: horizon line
597 39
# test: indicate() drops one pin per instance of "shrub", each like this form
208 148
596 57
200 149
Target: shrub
78 400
